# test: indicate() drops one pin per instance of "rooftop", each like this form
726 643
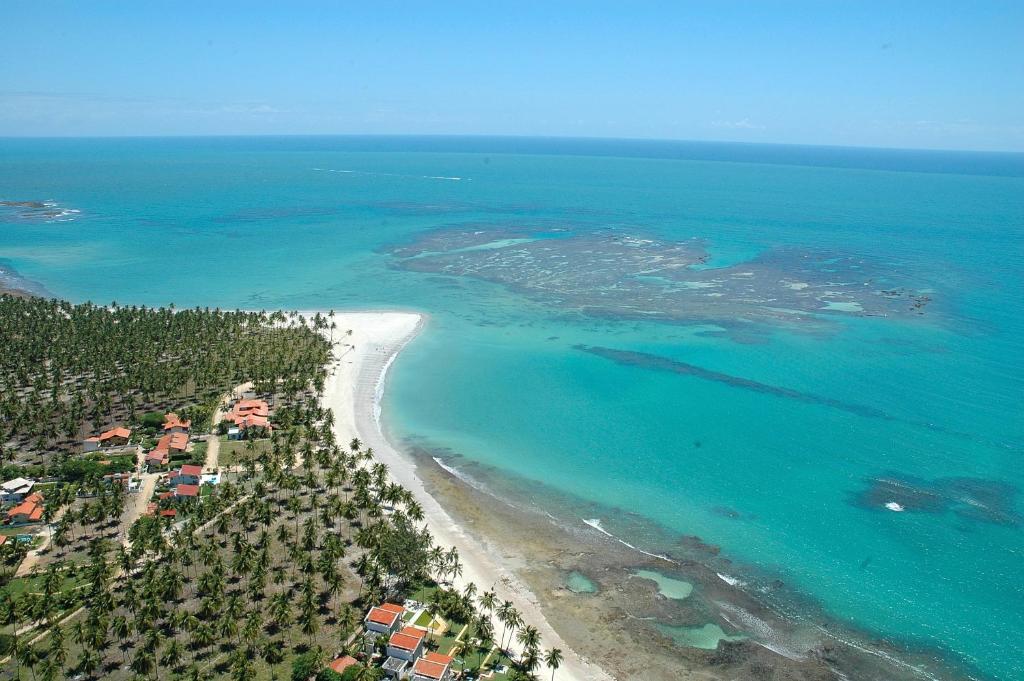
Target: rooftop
342 663
17 484
432 666
172 421
409 638
119 431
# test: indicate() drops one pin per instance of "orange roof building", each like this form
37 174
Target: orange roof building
188 491
173 422
342 663
432 667
28 511
407 643
109 438
247 407
385 618
250 414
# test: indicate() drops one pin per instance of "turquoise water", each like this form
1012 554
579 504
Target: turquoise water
580 583
667 586
765 437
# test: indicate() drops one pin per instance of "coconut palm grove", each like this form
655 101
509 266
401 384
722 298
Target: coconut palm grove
126 555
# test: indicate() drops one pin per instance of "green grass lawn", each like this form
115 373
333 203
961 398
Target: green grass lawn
446 643
423 593
423 620
233 451
20 585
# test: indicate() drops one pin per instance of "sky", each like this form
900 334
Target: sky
898 73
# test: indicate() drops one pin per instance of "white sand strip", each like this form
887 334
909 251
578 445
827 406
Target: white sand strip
353 392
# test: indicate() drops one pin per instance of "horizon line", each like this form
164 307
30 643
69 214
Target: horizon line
483 136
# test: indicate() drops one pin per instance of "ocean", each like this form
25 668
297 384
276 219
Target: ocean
809 357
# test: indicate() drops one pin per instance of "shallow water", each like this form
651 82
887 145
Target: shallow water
667 587
580 583
706 636
763 423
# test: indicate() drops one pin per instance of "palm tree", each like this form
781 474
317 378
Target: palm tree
553 659
529 637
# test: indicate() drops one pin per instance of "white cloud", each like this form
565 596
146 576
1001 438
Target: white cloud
742 124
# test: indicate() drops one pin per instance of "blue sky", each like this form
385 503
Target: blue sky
893 74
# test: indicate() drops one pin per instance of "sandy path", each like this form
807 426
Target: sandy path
213 441
353 392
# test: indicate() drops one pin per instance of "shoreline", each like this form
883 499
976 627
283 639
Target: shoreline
524 558
353 391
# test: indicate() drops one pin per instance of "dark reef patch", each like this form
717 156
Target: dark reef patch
35 211
617 271
989 501
648 361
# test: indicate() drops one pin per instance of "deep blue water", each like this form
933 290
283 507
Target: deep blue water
801 422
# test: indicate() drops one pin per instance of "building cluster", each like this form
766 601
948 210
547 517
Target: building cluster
248 414
407 654
30 510
174 441
109 439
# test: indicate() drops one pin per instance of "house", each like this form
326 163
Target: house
174 424
244 423
171 443
432 667
15 491
384 619
249 407
340 664
186 492
249 414
158 457
123 479
406 644
28 511
115 437
234 433
186 475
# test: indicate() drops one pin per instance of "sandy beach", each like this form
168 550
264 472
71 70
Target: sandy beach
353 392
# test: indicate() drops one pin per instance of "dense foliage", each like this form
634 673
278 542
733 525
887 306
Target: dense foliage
67 371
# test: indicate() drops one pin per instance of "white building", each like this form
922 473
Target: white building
14 491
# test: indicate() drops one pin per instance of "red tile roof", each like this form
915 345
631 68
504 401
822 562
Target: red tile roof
119 431
409 638
172 421
432 666
160 456
175 441
382 615
187 491
3 539
342 663
31 507
246 407
168 513
191 469
252 421
392 607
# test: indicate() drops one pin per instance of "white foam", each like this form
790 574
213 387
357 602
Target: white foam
731 581
449 178
596 524
893 506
